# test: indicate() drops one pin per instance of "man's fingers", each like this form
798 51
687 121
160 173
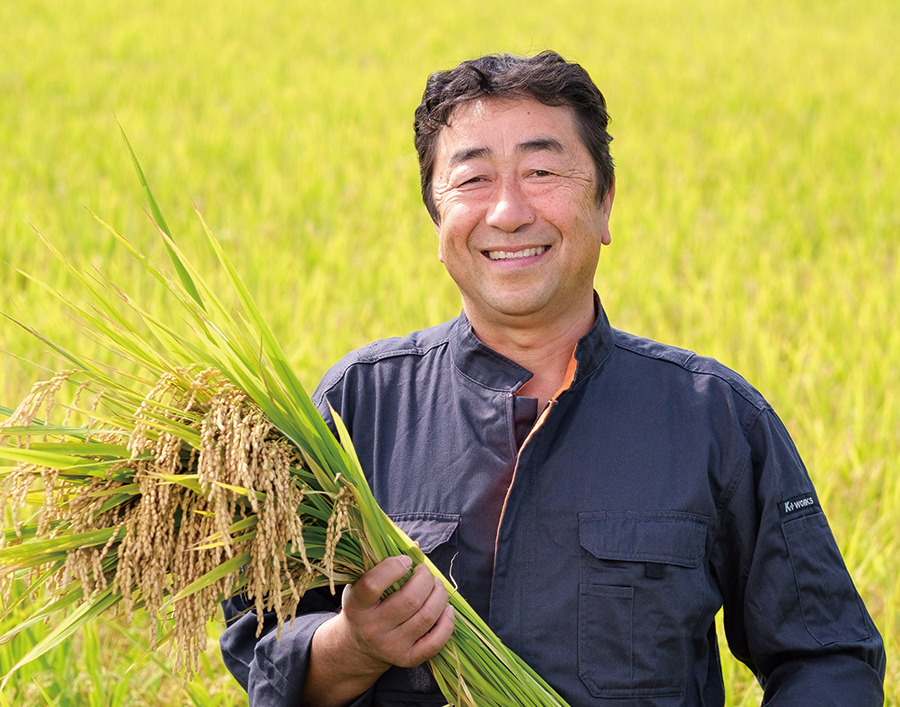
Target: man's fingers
368 589
422 597
431 643
418 606
425 630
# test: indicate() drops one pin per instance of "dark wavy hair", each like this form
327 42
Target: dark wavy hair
545 77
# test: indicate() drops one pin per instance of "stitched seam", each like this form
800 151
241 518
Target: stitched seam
754 400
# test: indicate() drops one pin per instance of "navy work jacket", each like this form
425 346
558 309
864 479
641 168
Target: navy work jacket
600 541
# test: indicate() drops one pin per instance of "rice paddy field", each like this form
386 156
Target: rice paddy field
756 216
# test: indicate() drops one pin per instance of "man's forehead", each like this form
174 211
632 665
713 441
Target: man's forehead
477 109
529 112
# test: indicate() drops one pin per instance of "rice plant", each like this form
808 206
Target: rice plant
197 470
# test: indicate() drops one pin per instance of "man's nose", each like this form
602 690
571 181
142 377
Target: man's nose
510 208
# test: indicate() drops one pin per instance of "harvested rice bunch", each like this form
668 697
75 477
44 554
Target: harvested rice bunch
174 518
208 473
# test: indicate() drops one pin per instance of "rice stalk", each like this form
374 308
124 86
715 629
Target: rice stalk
207 474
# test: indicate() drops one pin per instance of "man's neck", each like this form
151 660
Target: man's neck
545 349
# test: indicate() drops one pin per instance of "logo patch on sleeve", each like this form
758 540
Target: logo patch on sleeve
797 503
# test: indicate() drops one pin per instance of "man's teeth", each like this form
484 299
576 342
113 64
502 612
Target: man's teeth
507 255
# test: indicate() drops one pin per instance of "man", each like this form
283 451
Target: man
596 496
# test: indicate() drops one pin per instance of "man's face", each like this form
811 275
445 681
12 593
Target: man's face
520 228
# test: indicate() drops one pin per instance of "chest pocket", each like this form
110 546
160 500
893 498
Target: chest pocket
641 592
435 533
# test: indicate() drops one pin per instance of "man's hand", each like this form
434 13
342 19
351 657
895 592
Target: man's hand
406 628
371 633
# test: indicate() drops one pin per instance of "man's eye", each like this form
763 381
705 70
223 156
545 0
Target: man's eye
541 173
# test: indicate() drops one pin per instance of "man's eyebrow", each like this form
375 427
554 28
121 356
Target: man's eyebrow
536 145
474 153
540 144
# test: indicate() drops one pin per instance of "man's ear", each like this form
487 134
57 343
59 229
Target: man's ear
606 210
608 199
437 230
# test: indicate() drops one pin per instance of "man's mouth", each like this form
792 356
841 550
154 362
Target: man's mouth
512 255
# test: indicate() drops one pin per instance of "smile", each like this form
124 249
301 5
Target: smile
511 255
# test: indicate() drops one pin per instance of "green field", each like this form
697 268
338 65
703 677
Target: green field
755 221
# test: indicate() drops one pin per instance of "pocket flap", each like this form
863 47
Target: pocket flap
672 538
430 530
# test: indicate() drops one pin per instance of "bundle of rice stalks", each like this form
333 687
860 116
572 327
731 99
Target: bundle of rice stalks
206 474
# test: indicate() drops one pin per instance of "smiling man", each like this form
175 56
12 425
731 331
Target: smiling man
521 215
597 497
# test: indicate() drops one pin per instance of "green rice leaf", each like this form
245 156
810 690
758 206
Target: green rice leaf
161 222
33 549
57 460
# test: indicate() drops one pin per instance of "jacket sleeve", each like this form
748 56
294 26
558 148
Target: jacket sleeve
272 668
792 613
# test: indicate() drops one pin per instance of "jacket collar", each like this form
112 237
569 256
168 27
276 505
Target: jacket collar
493 370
